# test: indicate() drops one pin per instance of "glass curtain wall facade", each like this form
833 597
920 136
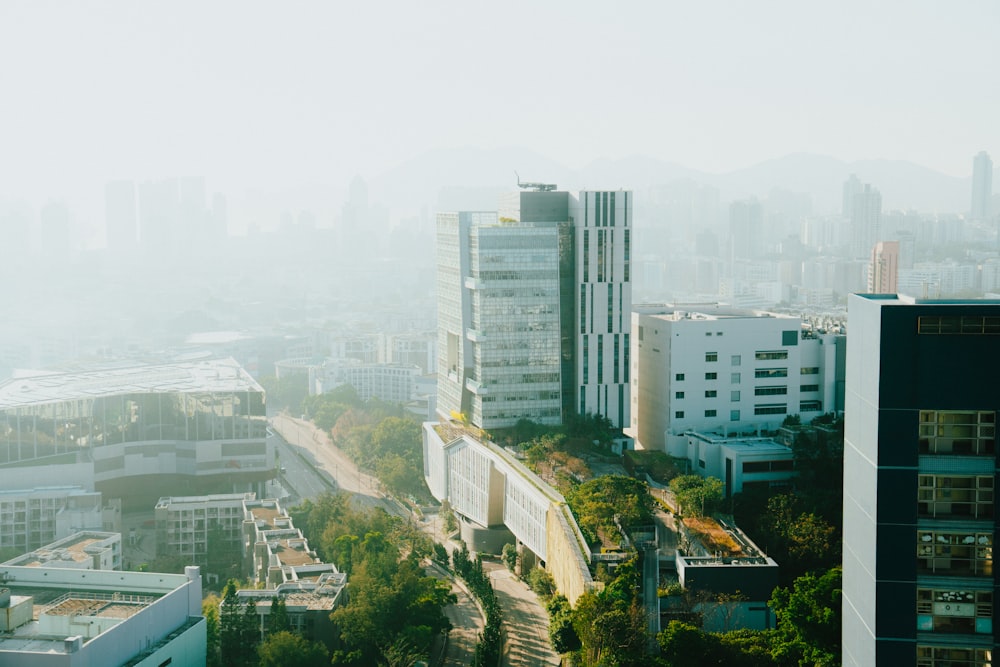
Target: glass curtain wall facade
515 332
74 425
195 428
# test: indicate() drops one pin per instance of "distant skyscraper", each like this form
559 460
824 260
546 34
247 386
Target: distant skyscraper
120 215
883 269
533 307
866 220
852 186
746 229
982 186
920 469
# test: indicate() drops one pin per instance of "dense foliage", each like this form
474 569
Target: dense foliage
379 437
610 624
600 502
490 644
393 609
697 495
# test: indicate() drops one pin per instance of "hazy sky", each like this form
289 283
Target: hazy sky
249 93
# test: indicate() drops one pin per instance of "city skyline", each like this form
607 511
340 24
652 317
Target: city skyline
251 99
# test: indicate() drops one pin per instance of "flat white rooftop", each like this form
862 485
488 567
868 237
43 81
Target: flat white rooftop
216 375
742 444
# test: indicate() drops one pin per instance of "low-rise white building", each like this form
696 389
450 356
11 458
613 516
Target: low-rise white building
395 383
86 550
184 524
30 518
59 617
740 462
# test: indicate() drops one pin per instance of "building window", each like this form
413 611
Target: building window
711 393
679 414
768 466
790 337
809 370
957 432
770 409
711 356
600 358
770 391
736 360
734 415
709 413
955 324
808 387
678 394
955 553
679 377
734 396
955 496
711 376
734 378
762 373
810 406
953 656
769 355
954 611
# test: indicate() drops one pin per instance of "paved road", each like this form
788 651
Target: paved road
300 476
315 444
526 623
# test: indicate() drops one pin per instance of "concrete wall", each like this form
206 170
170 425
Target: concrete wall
566 562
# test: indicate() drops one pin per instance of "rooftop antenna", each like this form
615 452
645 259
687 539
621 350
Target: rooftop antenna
537 187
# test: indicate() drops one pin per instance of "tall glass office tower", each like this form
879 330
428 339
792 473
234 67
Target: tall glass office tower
533 306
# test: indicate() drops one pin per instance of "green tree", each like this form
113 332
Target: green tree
541 582
509 556
277 620
611 624
802 541
250 630
287 648
210 610
598 502
809 617
230 639
561 632
696 495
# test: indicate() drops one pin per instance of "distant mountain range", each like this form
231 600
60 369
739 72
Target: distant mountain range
473 177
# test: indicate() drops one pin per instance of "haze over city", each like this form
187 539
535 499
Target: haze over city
567 333
284 106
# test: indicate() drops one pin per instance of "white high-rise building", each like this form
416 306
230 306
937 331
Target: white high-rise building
982 186
533 308
728 371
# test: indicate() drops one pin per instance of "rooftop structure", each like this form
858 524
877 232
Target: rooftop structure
137 431
85 550
274 549
308 603
741 462
79 618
